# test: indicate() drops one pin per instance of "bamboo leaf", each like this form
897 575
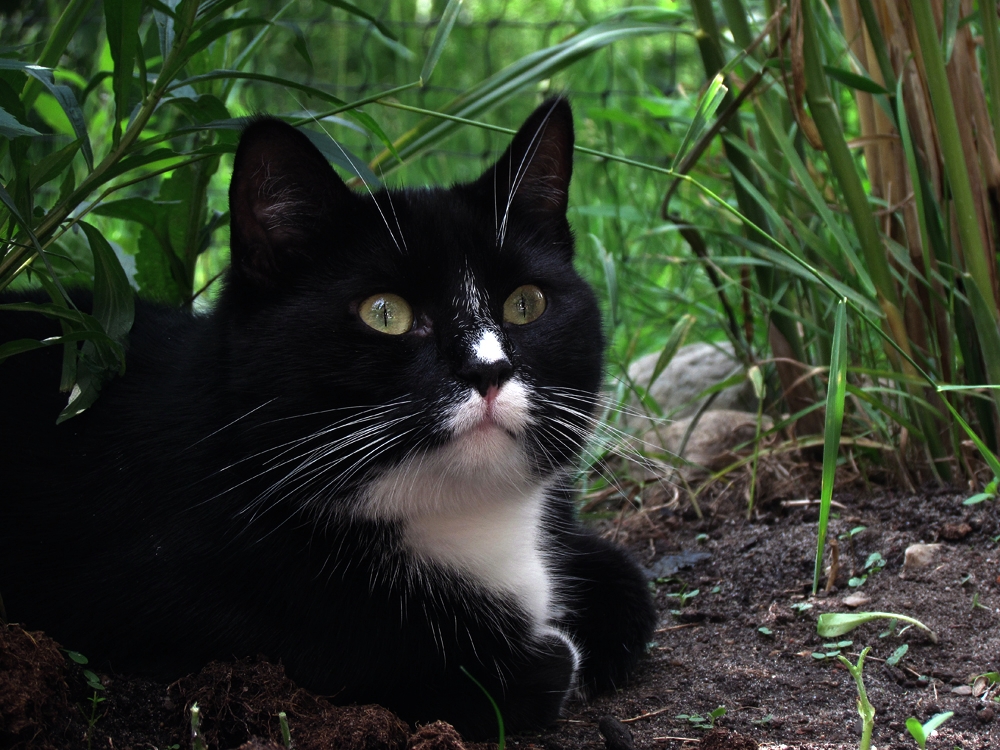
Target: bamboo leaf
11 128
854 80
441 34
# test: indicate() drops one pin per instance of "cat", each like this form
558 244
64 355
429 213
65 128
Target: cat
358 463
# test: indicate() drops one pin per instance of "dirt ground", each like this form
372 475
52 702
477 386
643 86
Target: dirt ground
735 631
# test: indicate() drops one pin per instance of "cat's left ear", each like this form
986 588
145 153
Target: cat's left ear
535 170
283 200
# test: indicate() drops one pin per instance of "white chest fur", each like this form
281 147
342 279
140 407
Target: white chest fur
497 545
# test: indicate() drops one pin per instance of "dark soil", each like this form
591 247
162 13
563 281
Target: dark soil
734 632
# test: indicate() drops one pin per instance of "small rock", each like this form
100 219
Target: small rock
777 615
986 715
953 532
919 556
962 690
616 735
694 368
856 599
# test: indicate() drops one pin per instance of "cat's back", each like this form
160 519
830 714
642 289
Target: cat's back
161 345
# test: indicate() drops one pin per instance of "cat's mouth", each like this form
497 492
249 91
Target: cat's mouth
503 409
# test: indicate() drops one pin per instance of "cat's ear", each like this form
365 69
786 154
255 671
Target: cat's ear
537 166
282 199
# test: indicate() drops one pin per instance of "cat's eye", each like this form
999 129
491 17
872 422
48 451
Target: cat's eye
387 313
524 305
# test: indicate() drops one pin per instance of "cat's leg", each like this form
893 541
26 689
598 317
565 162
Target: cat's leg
608 608
528 681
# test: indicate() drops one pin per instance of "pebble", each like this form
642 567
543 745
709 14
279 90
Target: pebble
856 600
986 715
919 556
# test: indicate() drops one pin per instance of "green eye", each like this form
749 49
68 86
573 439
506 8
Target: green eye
524 305
388 313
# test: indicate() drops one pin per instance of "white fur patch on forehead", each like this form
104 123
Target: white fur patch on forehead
488 348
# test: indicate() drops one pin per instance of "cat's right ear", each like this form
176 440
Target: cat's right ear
282 199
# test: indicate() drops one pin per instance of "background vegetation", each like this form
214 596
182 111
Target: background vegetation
744 169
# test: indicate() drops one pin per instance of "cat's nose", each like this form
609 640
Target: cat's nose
481 375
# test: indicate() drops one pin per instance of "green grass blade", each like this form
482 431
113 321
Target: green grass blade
444 27
354 10
835 394
707 107
674 342
529 69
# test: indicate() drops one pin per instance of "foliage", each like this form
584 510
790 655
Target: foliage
825 161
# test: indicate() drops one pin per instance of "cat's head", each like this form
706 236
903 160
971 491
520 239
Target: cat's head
434 332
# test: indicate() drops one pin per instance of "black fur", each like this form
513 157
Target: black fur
176 521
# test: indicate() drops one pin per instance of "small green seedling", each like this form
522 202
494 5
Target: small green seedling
873 565
96 687
197 741
832 650
832 624
889 630
765 631
683 597
703 722
989 493
921 732
865 709
800 607
501 740
897 655
286 735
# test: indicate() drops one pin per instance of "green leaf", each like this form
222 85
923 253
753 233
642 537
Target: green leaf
952 11
77 657
11 128
977 498
707 106
343 157
853 80
441 34
164 14
121 19
832 624
52 165
897 655
114 302
502 85
676 339
63 94
835 394
354 10
916 729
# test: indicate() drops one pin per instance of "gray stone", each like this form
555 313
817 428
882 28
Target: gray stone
694 368
711 441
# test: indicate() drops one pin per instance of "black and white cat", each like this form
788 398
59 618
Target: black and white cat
357 463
